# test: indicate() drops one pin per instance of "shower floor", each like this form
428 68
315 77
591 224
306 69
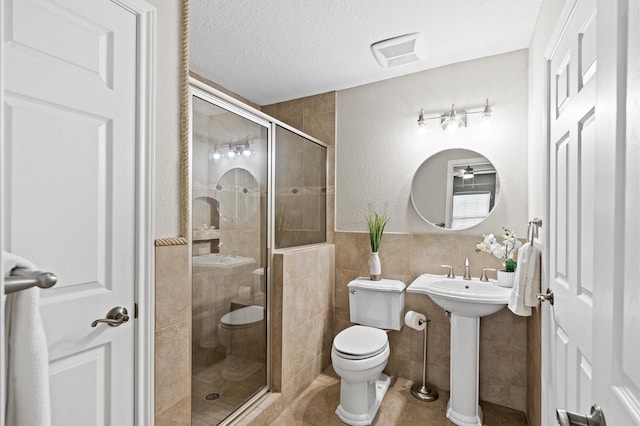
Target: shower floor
232 392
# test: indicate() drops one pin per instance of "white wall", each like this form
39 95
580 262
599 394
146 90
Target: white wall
378 151
549 13
167 149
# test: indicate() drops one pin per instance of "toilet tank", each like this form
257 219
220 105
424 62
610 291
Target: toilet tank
377 304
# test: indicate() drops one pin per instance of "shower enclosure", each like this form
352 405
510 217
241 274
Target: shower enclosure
256 184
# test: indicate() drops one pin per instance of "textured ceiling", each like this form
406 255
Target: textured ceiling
274 50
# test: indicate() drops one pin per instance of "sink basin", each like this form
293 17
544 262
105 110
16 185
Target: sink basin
467 301
468 298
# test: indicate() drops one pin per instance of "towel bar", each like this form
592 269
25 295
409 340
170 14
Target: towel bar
23 279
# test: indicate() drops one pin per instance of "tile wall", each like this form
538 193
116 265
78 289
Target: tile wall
302 317
172 341
503 336
316 116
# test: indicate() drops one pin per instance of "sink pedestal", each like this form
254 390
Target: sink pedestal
467 301
463 408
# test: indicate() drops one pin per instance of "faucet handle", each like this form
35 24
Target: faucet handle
484 274
450 274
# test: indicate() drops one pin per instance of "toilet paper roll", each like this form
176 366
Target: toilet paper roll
415 320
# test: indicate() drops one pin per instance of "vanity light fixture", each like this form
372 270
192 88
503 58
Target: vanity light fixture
453 120
467 173
232 149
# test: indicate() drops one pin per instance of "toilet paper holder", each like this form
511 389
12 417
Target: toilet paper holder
424 391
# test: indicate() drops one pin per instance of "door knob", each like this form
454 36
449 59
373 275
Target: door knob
546 297
567 418
115 317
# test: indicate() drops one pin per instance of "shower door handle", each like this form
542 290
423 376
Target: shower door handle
115 317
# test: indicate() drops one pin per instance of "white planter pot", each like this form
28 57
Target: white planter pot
506 279
375 267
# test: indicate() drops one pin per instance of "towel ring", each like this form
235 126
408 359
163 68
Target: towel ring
533 229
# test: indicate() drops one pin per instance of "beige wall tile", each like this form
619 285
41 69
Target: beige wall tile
173 287
178 414
325 102
305 282
269 109
172 359
352 251
290 110
321 126
393 254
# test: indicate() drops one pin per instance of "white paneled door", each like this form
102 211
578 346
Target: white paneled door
584 338
72 184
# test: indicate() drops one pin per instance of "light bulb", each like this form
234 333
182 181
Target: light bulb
451 125
487 113
246 151
214 154
231 153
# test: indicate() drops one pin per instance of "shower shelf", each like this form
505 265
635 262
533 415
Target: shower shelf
206 234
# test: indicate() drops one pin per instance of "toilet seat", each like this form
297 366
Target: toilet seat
243 317
360 342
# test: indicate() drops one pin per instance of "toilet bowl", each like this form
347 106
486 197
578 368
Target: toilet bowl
360 352
241 332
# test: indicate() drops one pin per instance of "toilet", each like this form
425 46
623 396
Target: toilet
360 352
241 332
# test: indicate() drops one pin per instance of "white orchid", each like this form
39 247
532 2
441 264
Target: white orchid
505 250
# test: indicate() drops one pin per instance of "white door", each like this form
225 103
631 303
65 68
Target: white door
572 121
69 200
581 331
616 306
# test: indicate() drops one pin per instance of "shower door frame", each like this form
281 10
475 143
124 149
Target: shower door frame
221 100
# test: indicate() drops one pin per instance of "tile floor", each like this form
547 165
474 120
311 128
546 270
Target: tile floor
233 392
316 406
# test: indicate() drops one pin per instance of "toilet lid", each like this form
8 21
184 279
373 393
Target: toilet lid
243 316
358 342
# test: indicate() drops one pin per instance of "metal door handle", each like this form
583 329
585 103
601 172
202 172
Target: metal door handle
546 297
115 317
595 418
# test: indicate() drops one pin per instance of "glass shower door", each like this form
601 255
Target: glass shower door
229 257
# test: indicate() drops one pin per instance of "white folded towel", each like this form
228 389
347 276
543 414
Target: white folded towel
527 281
27 358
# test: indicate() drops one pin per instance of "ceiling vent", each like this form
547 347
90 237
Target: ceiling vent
399 50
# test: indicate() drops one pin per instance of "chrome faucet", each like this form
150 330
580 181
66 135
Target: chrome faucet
484 274
467 270
450 274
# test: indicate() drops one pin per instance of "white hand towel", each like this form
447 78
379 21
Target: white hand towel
532 278
27 357
524 281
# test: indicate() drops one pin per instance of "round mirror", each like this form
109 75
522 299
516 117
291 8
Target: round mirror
455 189
238 196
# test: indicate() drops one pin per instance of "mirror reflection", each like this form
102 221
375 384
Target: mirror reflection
238 194
455 189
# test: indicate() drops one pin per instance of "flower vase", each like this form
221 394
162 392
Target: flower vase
375 267
506 279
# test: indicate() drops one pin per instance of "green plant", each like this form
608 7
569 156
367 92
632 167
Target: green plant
377 224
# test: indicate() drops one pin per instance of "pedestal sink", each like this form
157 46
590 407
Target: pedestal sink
467 301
